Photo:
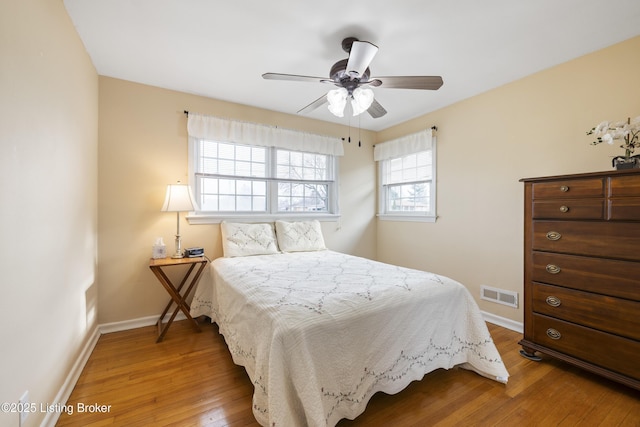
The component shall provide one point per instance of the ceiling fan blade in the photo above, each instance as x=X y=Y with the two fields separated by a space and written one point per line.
x=376 y=110
x=315 y=104
x=292 y=77
x=374 y=83
x=408 y=82
x=360 y=57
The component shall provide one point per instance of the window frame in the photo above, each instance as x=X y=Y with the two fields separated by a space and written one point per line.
x=272 y=181
x=411 y=216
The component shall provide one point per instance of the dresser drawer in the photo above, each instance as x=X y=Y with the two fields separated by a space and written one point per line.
x=624 y=186
x=602 y=239
x=609 y=314
x=592 y=187
x=624 y=209
x=603 y=276
x=624 y=198
x=600 y=348
x=568 y=209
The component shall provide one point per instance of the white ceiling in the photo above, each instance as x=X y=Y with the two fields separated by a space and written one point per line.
x=220 y=49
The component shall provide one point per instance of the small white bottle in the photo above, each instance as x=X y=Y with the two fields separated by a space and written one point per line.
x=159 y=249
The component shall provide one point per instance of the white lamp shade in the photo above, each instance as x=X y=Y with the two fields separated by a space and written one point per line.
x=178 y=199
x=362 y=100
x=337 y=100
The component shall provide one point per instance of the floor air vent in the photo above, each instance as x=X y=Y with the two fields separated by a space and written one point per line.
x=500 y=296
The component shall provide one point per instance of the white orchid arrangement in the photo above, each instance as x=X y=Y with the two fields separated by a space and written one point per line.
x=628 y=131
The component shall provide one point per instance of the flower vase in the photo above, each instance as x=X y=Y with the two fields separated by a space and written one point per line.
x=622 y=162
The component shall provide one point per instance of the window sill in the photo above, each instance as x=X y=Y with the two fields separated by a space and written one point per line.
x=203 y=218
x=407 y=218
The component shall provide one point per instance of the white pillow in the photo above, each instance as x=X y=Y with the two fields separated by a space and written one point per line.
x=240 y=239
x=300 y=236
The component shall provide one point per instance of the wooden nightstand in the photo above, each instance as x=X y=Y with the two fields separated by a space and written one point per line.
x=157 y=265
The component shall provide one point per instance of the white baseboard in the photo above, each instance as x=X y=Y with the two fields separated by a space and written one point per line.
x=51 y=418
x=140 y=322
x=503 y=321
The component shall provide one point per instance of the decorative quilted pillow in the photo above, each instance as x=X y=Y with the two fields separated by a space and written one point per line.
x=300 y=236
x=240 y=239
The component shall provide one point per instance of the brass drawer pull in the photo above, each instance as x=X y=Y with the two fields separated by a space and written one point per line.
x=553 y=334
x=564 y=188
x=564 y=209
x=554 y=235
x=553 y=269
x=553 y=301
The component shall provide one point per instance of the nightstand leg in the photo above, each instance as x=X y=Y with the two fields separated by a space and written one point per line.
x=177 y=291
x=179 y=300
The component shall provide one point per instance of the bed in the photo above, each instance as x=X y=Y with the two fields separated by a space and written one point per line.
x=319 y=332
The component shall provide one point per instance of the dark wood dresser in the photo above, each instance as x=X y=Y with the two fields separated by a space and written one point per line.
x=582 y=271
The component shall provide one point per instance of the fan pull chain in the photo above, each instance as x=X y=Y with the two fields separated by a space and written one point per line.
x=348 y=138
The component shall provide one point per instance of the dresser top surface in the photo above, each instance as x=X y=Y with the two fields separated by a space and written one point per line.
x=584 y=175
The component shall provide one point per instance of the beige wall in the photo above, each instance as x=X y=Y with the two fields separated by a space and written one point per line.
x=532 y=127
x=143 y=147
x=48 y=211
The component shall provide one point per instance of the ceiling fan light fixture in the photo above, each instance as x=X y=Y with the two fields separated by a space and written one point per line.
x=337 y=101
x=348 y=74
x=362 y=100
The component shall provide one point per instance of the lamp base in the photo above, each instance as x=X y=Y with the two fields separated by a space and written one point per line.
x=178 y=253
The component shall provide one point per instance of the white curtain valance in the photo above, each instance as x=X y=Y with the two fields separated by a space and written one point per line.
x=403 y=146
x=218 y=129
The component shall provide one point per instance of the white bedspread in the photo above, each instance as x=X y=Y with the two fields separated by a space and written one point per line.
x=320 y=332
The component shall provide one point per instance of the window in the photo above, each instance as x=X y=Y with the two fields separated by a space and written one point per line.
x=406 y=178
x=303 y=181
x=238 y=180
x=230 y=177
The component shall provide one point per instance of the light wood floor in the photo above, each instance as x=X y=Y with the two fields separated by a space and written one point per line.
x=190 y=380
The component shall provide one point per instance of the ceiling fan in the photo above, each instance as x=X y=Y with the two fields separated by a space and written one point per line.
x=353 y=78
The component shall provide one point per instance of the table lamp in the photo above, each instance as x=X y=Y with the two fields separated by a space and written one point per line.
x=178 y=199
